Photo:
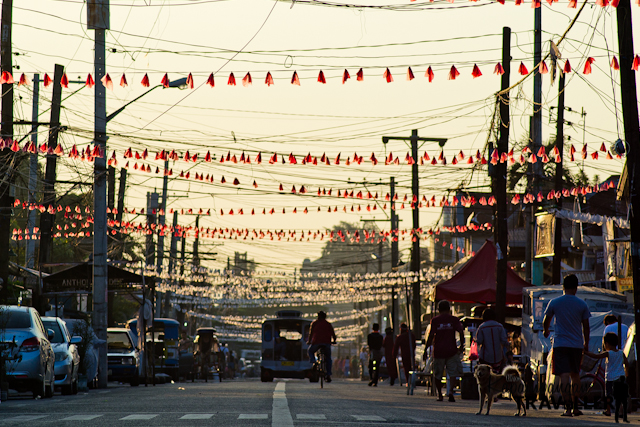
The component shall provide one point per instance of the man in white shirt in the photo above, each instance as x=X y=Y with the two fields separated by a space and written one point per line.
x=611 y=325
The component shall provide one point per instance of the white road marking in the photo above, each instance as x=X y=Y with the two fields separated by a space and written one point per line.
x=280 y=414
x=81 y=418
x=25 y=418
x=253 y=416
x=368 y=418
x=139 y=417
x=197 y=417
x=311 y=417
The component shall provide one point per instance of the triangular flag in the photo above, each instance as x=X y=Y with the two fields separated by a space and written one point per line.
x=567 y=67
x=387 y=75
x=634 y=66
x=210 y=81
x=123 y=81
x=47 y=80
x=429 y=74
x=587 y=65
x=614 y=63
x=165 y=81
x=64 y=81
x=410 y=75
x=542 y=68
x=145 y=81
x=345 y=76
x=23 y=80
x=269 y=79
x=499 y=69
x=321 y=78
x=295 y=80
x=190 y=81
x=476 y=71
x=107 y=82
x=360 y=75
x=453 y=73
x=232 y=80
x=246 y=80
x=522 y=69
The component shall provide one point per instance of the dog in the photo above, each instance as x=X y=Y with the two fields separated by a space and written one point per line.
x=491 y=384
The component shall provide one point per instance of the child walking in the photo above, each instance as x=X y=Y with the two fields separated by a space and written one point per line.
x=615 y=376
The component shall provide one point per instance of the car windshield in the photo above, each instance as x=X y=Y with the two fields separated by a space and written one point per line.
x=53 y=325
x=14 y=319
x=119 y=341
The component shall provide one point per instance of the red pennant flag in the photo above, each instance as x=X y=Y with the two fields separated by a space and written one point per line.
x=269 y=79
x=145 y=81
x=89 y=81
x=190 y=81
x=476 y=71
x=360 y=75
x=337 y=161
x=165 y=81
x=210 y=81
x=567 y=67
x=522 y=69
x=236 y=182
x=255 y=184
x=499 y=69
x=542 y=68
x=123 y=81
x=587 y=65
x=295 y=80
x=232 y=80
x=107 y=82
x=573 y=4
x=7 y=78
x=345 y=76
x=23 y=80
x=222 y=181
x=603 y=148
x=47 y=80
x=259 y=158
x=535 y=4
x=387 y=75
x=321 y=78
x=636 y=63
x=453 y=73
x=246 y=80
x=429 y=74
x=614 y=63
x=64 y=81
x=410 y=75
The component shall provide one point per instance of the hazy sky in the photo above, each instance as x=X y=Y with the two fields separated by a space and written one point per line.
x=179 y=37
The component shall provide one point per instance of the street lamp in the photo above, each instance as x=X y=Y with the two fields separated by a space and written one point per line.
x=180 y=84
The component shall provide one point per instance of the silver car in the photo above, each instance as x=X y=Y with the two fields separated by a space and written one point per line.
x=67 y=358
x=27 y=350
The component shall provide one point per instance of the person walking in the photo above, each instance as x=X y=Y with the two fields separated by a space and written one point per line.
x=570 y=338
x=446 y=353
x=347 y=364
x=387 y=343
x=321 y=334
x=374 y=340
x=406 y=343
x=363 y=362
x=492 y=341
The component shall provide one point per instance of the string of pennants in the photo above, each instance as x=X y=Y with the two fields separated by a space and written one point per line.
x=247 y=80
x=511 y=157
x=466 y=201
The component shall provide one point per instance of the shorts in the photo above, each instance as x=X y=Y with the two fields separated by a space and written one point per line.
x=453 y=365
x=566 y=360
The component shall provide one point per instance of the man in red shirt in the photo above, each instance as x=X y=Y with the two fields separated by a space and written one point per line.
x=442 y=335
x=321 y=333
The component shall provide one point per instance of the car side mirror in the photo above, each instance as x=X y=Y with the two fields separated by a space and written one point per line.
x=50 y=334
x=76 y=340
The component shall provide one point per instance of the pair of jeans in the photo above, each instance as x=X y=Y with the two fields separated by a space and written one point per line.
x=313 y=348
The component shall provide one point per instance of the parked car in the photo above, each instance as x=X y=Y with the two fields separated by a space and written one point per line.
x=67 y=364
x=123 y=357
x=27 y=351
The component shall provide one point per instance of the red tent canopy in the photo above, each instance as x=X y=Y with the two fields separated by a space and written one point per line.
x=476 y=281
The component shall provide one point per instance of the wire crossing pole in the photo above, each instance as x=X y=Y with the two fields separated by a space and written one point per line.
x=98 y=20
x=500 y=182
x=632 y=136
x=557 y=244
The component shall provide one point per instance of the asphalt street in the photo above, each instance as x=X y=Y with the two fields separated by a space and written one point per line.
x=281 y=403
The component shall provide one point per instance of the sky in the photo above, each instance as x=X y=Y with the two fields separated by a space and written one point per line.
x=178 y=37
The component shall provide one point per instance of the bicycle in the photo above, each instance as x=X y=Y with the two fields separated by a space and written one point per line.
x=320 y=366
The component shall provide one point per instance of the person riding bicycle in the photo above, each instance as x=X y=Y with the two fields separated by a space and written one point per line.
x=321 y=334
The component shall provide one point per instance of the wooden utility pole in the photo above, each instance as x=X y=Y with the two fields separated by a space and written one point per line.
x=632 y=137
x=500 y=181
x=557 y=256
x=7 y=157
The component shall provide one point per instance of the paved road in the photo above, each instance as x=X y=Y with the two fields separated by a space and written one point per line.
x=281 y=403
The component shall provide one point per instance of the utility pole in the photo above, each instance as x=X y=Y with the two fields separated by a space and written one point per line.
x=415 y=250
x=152 y=204
x=536 y=264
x=49 y=193
x=500 y=181
x=394 y=255
x=632 y=136
x=30 y=260
x=98 y=20
x=182 y=255
x=161 y=218
x=557 y=244
x=6 y=155
x=196 y=257
x=173 y=248
x=122 y=187
x=111 y=199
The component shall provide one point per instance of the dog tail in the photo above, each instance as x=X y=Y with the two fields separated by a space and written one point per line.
x=511 y=374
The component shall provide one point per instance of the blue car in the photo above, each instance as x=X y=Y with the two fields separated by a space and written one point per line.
x=123 y=357
x=67 y=365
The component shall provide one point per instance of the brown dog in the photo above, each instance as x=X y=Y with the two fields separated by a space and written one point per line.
x=491 y=384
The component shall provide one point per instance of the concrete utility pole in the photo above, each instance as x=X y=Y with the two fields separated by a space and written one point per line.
x=30 y=260
x=500 y=182
x=536 y=267
x=6 y=155
x=161 y=218
x=196 y=242
x=557 y=244
x=173 y=248
x=415 y=249
x=98 y=20
x=632 y=136
x=122 y=187
x=49 y=192
x=394 y=255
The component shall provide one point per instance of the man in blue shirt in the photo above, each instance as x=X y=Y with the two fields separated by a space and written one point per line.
x=571 y=336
